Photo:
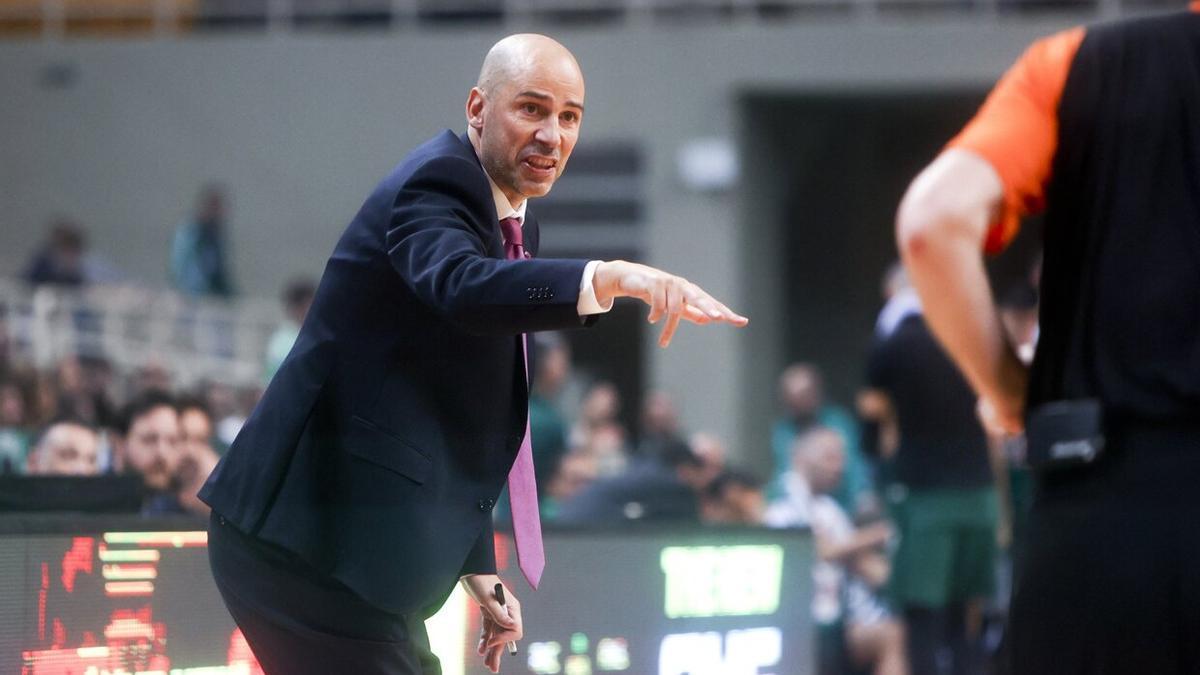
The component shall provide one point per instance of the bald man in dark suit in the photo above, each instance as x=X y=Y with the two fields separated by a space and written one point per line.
x=361 y=488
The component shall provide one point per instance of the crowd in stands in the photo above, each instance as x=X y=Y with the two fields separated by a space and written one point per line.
x=82 y=419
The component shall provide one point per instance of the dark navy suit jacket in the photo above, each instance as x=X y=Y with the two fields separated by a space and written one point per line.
x=378 y=450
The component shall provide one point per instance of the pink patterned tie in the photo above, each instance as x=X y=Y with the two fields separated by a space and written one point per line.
x=522 y=487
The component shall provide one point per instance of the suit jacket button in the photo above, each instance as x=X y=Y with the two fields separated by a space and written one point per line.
x=486 y=504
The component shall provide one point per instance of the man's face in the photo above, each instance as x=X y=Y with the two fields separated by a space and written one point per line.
x=802 y=393
x=196 y=428
x=823 y=461
x=746 y=503
x=67 y=450
x=154 y=447
x=528 y=125
x=212 y=207
x=12 y=406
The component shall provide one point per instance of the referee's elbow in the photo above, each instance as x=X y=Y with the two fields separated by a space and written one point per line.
x=922 y=218
x=951 y=200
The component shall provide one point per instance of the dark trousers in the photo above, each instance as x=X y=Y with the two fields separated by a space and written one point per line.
x=298 y=621
x=1111 y=581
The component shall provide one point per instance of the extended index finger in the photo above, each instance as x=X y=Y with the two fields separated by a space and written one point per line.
x=715 y=309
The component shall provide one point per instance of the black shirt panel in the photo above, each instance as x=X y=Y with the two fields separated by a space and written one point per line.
x=942 y=444
x=1120 y=315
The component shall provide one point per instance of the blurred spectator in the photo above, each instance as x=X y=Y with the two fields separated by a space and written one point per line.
x=660 y=424
x=15 y=436
x=851 y=618
x=546 y=426
x=574 y=473
x=60 y=260
x=149 y=443
x=152 y=376
x=44 y=402
x=99 y=380
x=223 y=404
x=900 y=300
x=802 y=393
x=734 y=498
x=663 y=488
x=942 y=497
x=597 y=431
x=67 y=448
x=199 y=260
x=606 y=445
x=82 y=390
x=199 y=458
x=710 y=451
x=6 y=351
x=297 y=297
x=600 y=405
x=1019 y=313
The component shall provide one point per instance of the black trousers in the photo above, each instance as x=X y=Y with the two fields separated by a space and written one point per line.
x=1111 y=582
x=298 y=621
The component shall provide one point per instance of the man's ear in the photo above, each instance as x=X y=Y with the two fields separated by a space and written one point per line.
x=475 y=105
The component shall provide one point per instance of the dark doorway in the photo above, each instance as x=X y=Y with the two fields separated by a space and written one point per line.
x=824 y=173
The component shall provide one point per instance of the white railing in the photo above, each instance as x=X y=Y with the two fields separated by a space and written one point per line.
x=54 y=19
x=133 y=327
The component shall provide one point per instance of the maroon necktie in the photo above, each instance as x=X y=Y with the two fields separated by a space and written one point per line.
x=522 y=487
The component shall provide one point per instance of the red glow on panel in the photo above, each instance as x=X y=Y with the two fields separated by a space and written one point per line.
x=69 y=661
x=104 y=621
x=42 y=602
x=501 y=553
x=60 y=633
x=78 y=559
x=127 y=626
x=240 y=654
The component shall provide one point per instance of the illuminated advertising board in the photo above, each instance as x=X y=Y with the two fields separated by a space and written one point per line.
x=640 y=602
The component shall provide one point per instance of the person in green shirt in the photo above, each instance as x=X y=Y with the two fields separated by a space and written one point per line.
x=801 y=390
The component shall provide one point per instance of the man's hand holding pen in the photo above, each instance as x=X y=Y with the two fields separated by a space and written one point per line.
x=500 y=613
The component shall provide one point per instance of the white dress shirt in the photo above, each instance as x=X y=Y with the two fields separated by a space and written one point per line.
x=588 y=304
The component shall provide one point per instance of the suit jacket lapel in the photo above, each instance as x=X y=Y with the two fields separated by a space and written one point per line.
x=495 y=243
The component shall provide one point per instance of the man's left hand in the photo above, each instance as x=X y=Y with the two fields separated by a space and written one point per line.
x=500 y=623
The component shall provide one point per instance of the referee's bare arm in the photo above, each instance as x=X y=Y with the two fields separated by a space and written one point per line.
x=940 y=229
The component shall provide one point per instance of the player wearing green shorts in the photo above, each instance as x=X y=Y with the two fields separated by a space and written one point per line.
x=940 y=494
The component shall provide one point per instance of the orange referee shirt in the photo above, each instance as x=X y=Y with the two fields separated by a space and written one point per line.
x=1016 y=129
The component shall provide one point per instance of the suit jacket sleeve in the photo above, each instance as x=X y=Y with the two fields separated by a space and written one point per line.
x=482 y=557
x=436 y=242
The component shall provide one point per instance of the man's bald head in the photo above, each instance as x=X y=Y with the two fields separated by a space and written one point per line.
x=524 y=53
x=524 y=114
x=66 y=448
x=819 y=454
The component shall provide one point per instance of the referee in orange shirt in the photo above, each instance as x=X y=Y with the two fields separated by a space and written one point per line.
x=1100 y=127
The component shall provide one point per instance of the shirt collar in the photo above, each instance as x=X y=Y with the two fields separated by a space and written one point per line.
x=504 y=208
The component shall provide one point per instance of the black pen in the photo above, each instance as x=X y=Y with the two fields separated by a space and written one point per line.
x=512 y=645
